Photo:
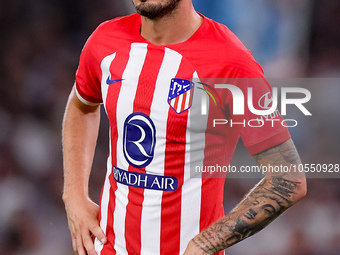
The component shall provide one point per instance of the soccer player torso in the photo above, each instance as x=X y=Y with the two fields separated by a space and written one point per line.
x=148 y=104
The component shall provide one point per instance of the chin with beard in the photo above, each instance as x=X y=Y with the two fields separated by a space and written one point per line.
x=156 y=10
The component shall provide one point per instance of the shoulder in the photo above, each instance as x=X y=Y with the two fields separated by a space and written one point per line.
x=113 y=34
x=118 y=26
x=125 y=22
x=221 y=34
x=229 y=51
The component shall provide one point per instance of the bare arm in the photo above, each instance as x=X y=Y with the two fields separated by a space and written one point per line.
x=265 y=202
x=80 y=132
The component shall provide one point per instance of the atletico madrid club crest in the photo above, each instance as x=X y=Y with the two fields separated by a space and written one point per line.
x=180 y=94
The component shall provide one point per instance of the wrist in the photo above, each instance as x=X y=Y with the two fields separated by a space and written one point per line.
x=74 y=196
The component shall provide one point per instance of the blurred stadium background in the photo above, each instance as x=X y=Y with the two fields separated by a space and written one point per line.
x=40 y=43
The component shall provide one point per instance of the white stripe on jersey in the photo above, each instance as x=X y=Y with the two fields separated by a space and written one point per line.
x=124 y=108
x=105 y=66
x=191 y=189
x=152 y=204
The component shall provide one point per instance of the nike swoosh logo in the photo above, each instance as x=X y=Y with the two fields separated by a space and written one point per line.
x=108 y=81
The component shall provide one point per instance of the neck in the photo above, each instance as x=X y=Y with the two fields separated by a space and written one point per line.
x=176 y=27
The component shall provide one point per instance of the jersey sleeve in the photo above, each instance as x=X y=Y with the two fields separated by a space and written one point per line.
x=88 y=84
x=258 y=132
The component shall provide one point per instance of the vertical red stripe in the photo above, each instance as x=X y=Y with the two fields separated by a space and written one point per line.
x=174 y=166
x=117 y=68
x=142 y=103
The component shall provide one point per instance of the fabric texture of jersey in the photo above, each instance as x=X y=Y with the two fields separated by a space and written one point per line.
x=151 y=203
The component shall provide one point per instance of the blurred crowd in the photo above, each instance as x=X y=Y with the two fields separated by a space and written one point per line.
x=39 y=51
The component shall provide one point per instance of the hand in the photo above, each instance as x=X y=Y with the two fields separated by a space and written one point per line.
x=193 y=249
x=82 y=216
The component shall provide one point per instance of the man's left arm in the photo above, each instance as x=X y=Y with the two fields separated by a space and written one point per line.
x=265 y=202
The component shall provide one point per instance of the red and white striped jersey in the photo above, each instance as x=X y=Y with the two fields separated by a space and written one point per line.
x=151 y=204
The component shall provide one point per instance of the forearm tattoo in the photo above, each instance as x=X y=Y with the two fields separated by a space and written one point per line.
x=262 y=205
